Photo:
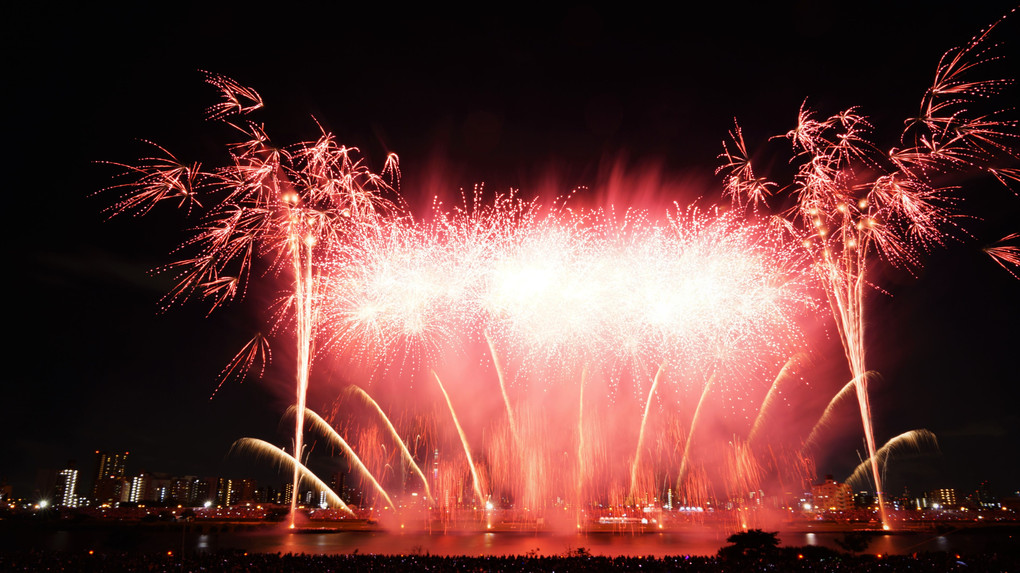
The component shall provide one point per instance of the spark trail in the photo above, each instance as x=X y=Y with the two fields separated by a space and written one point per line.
x=330 y=432
x=354 y=389
x=686 y=458
x=915 y=439
x=280 y=456
x=851 y=201
x=464 y=442
x=272 y=210
x=641 y=434
x=847 y=389
x=558 y=288
x=502 y=388
x=791 y=365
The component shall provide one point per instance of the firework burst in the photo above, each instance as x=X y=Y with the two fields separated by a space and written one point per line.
x=270 y=210
x=850 y=200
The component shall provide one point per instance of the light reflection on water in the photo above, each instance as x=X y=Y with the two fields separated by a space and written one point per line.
x=705 y=542
x=691 y=542
x=477 y=543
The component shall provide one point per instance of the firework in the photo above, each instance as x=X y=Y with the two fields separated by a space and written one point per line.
x=1005 y=254
x=393 y=431
x=565 y=289
x=278 y=207
x=850 y=201
x=659 y=318
x=263 y=448
x=916 y=440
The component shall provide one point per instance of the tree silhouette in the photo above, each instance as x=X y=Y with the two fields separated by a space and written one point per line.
x=854 y=541
x=753 y=543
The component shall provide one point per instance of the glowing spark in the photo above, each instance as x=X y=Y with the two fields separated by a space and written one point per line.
x=257 y=350
x=914 y=439
x=463 y=440
x=403 y=447
x=502 y=388
x=685 y=460
x=1006 y=255
x=841 y=216
x=784 y=373
x=641 y=433
x=327 y=430
x=284 y=207
x=848 y=389
x=281 y=457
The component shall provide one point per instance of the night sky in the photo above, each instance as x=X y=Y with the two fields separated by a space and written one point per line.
x=505 y=97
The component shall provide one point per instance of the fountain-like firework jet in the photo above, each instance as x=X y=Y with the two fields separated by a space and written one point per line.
x=685 y=459
x=502 y=387
x=324 y=428
x=354 y=389
x=287 y=208
x=784 y=372
x=850 y=201
x=553 y=292
x=844 y=284
x=641 y=433
x=847 y=389
x=300 y=248
x=281 y=457
x=463 y=440
x=580 y=443
x=915 y=439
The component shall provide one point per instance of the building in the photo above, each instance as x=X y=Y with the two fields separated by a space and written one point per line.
x=67 y=487
x=245 y=490
x=863 y=499
x=984 y=497
x=206 y=490
x=139 y=486
x=160 y=488
x=110 y=472
x=226 y=494
x=944 y=497
x=832 y=496
x=184 y=490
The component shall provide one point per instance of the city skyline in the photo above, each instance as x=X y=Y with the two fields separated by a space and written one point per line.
x=113 y=486
x=107 y=367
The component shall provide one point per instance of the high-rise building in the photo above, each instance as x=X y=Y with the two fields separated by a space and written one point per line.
x=225 y=492
x=340 y=486
x=182 y=490
x=245 y=491
x=110 y=471
x=67 y=486
x=139 y=486
x=206 y=490
x=159 y=488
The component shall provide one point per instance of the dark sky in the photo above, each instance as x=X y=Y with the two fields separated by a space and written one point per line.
x=503 y=97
